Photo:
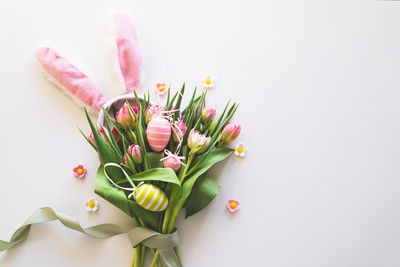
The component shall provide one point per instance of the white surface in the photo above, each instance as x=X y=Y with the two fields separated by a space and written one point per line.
x=318 y=85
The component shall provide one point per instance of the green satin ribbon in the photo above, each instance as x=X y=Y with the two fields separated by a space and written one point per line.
x=152 y=239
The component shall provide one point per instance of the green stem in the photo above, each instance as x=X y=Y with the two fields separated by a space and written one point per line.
x=173 y=198
x=133 y=260
x=155 y=259
x=143 y=255
x=137 y=256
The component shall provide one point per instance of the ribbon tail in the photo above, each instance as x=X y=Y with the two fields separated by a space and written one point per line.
x=169 y=258
x=47 y=214
x=164 y=242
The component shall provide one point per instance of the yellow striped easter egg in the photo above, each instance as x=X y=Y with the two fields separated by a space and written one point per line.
x=151 y=197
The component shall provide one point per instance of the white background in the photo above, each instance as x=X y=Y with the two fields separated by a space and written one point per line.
x=318 y=82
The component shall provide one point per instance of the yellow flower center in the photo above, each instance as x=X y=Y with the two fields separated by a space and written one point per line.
x=92 y=204
x=80 y=171
x=233 y=205
x=161 y=88
x=208 y=81
x=240 y=149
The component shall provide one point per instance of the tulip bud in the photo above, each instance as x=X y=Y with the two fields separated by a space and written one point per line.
x=113 y=131
x=192 y=138
x=198 y=142
x=207 y=114
x=179 y=130
x=151 y=111
x=205 y=142
x=230 y=132
x=125 y=116
x=135 y=151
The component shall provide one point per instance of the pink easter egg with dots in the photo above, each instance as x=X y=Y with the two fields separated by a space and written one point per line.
x=172 y=163
x=158 y=133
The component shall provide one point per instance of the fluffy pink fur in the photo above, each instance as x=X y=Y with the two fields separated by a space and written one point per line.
x=128 y=51
x=70 y=78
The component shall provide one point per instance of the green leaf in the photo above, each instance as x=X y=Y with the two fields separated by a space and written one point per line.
x=118 y=198
x=154 y=159
x=87 y=139
x=166 y=175
x=178 y=101
x=169 y=105
x=203 y=192
x=157 y=174
x=105 y=152
x=205 y=163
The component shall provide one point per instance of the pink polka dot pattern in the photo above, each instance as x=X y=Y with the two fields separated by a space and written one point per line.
x=158 y=133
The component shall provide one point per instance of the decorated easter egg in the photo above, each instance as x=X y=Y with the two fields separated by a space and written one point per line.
x=158 y=133
x=173 y=163
x=151 y=197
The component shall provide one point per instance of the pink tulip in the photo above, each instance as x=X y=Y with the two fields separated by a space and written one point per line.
x=230 y=132
x=135 y=151
x=179 y=130
x=113 y=131
x=126 y=117
x=207 y=114
x=198 y=141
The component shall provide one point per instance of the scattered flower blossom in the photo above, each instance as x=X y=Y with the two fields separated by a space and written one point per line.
x=208 y=81
x=161 y=89
x=233 y=205
x=240 y=150
x=79 y=171
x=230 y=132
x=91 y=205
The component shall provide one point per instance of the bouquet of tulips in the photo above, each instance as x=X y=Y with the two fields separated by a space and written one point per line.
x=154 y=161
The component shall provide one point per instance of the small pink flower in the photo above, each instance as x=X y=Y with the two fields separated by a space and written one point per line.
x=233 y=205
x=161 y=89
x=79 y=171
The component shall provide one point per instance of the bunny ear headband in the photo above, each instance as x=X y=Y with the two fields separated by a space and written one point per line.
x=79 y=86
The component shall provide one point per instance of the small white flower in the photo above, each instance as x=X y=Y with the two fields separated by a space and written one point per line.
x=91 y=205
x=208 y=81
x=240 y=150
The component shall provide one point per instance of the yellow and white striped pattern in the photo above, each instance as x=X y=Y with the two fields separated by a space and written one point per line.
x=151 y=197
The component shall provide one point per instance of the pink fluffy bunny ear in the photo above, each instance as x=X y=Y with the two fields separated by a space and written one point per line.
x=129 y=56
x=70 y=79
